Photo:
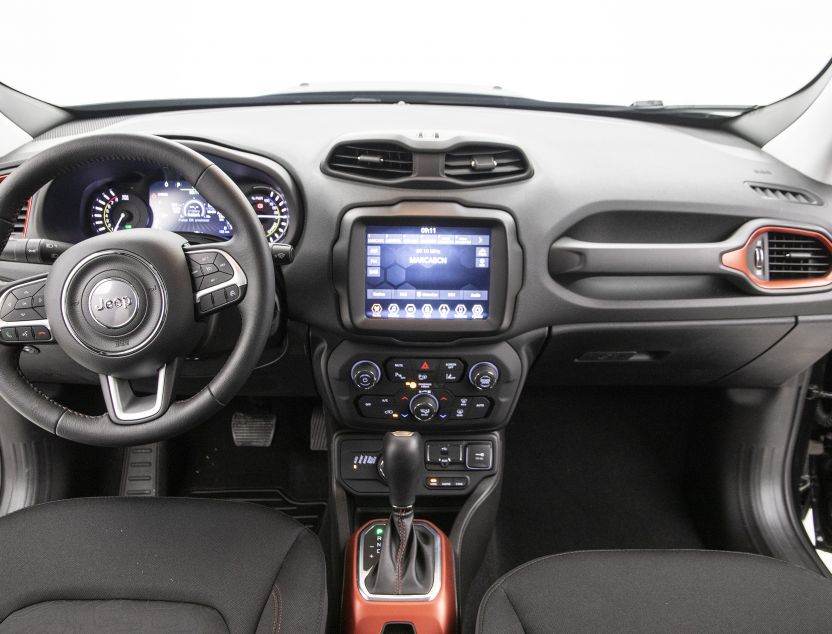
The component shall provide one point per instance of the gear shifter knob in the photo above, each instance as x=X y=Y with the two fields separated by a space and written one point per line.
x=402 y=464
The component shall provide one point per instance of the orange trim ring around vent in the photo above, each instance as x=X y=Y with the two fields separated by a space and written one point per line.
x=738 y=260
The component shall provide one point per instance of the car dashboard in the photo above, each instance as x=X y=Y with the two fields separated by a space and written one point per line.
x=445 y=257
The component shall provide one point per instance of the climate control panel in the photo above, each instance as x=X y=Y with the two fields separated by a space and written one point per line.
x=469 y=388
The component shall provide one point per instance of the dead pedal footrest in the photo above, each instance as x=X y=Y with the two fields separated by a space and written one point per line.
x=140 y=471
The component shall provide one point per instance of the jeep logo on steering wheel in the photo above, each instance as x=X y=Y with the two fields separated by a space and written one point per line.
x=117 y=302
x=112 y=302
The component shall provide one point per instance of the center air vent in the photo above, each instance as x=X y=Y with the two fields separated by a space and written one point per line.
x=427 y=163
x=797 y=257
x=485 y=163
x=371 y=160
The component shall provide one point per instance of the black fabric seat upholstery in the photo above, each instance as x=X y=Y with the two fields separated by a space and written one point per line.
x=657 y=591
x=159 y=565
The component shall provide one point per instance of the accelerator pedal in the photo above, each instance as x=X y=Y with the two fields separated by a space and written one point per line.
x=317 y=429
x=253 y=429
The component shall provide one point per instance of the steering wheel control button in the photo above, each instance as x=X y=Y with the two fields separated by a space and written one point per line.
x=113 y=303
x=41 y=333
x=365 y=375
x=483 y=375
x=222 y=265
x=479 y=455
x=29 y=290
x=219 y=298
x=424 y=407
x=232 y=293
x=8 y=305
x=208 y=270
x=8 y=335
x=206 y=303
x=207 y=257
x=25 y=334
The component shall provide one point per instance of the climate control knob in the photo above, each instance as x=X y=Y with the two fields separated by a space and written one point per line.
x=424 y=407
x=365 y=374
x=483 y=375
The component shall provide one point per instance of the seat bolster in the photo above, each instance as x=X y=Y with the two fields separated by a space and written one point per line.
x=498 y=613
x=657 y=591
x=298 y=598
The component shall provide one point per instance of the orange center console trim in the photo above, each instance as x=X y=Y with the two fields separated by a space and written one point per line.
x=363 y=616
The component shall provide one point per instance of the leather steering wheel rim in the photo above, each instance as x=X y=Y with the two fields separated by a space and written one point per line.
x=248 y=247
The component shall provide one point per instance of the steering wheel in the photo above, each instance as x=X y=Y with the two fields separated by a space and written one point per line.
x=126 y=305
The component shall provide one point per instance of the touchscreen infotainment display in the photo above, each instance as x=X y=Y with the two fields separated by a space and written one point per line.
x=427 y=272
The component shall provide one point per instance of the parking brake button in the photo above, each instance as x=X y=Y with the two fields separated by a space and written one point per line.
x=479 y=456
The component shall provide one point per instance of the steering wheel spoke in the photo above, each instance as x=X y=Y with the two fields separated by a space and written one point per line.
x=23 y=312
x=218 y=279
x=126 y=407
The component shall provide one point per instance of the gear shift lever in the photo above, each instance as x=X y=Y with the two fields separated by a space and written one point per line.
x=406 y=562
x=402 y=464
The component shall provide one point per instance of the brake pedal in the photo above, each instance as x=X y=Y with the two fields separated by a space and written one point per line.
x=253 y=430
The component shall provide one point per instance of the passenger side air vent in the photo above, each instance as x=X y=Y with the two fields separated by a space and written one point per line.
x=789 y=195
x=797 y=257
x=485 y=163
x=784 y=259
x=371 y=160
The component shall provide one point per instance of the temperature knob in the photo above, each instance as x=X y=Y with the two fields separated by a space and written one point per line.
x=424 y=407
x=365 y=374
x=483 y=375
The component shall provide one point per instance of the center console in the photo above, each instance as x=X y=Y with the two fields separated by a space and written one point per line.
x=425 y=274
x=424 y=291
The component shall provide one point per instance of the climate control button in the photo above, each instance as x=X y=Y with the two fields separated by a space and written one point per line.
x=424 y=407
x=483 y=375
x=365 y=375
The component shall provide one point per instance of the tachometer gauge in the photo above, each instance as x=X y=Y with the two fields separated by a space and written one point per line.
x=272 y=209
x=113 y=210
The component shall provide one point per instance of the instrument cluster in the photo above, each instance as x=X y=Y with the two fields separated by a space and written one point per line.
x=175 y=205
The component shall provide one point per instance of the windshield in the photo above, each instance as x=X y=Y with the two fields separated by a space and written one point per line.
x=616 y=53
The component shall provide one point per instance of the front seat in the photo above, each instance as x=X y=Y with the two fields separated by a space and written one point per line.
x=159 y=565
x=657 y=591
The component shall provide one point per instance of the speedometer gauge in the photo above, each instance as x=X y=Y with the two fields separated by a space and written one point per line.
x=272 y=210
x=112 y=210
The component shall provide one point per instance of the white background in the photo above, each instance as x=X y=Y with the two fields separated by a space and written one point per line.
x=616 y=52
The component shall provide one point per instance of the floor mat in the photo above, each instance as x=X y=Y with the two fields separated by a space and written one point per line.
x=592 y=468
x=309 y=514
x=205 y=461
